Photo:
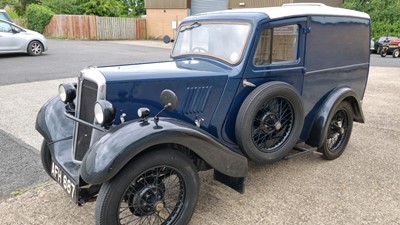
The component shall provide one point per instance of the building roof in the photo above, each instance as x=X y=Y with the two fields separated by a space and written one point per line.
x=299 y=9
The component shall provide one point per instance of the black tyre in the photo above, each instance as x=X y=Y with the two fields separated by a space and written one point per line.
x=160 y=187
x=337 y=132
x=45 y=157
x=269 y=122
x=35 y=48
x=383 y=53
x=395 y=53
x=378 y=51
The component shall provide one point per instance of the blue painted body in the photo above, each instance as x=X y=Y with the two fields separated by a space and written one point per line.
x=332 y=65
x=321 y=67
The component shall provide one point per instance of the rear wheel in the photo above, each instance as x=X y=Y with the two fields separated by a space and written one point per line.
x=396 y=53
x=338 y=132
x=159 y=187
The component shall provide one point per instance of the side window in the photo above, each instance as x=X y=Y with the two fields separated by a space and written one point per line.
x=277 y=45
x=5 y=27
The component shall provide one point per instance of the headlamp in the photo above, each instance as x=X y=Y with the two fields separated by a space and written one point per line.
x=67 y=92
x=104 y=112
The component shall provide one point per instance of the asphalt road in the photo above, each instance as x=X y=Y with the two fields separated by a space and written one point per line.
x=388 y=61
x=20 y=166
x=361 y=187
x=66 y=58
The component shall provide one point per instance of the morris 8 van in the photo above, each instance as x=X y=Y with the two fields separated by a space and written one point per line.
x=260 y=84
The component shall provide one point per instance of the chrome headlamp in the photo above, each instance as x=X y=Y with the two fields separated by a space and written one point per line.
x=67 y=92
x=104 y=112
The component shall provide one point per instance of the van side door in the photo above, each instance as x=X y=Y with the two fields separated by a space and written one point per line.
x=278 y=53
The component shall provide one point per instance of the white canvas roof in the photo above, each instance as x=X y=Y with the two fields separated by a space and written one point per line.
x=301 y=9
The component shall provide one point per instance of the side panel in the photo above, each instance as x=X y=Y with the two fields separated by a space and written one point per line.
x=198 y=97
x=337 y=42
x=116 y=148
x=337 y=55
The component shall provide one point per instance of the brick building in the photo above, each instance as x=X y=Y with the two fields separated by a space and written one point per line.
x=163 y=16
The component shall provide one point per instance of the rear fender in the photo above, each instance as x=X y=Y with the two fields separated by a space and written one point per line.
x=317 y=134
x=116 y=148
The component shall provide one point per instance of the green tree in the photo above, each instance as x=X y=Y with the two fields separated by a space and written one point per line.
x=20 y=7
x=64 y=6
x=384 y=15
x=112 y=8
x=134 y=8
x=3 y=3
x=37 y=17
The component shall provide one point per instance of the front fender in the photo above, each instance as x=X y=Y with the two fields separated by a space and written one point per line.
x=317 y=134
x=116 y=148
x=51 y=122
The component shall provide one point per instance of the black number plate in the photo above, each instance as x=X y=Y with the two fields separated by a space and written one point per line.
x=66 y=183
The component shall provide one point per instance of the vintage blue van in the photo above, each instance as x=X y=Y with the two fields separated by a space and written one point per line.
x=259 y=84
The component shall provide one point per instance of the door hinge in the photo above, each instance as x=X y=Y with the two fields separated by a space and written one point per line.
x=306 y=30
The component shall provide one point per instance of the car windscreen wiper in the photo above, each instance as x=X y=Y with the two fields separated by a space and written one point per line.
x=190 y=27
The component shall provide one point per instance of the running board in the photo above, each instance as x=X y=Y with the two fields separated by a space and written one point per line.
x=302 y=149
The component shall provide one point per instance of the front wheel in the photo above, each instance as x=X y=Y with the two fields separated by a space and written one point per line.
x=338 y=132
x=159 y=187
x=45 y=157
x=378 y=51
x=35 y=48
x=383 y=52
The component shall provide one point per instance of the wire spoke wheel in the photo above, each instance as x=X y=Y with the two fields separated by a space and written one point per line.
x=338 y=132
x=159 y=187
x=273 y=124
x=269 y=122
x=154 y=197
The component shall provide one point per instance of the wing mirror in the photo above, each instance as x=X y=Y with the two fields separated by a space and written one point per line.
x=170 y=102
x=16 y=30
x=167 y=39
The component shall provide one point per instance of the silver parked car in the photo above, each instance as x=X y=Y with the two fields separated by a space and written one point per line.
x=14 y=38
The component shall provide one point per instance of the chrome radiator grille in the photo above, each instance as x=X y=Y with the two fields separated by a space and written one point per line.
x=87 y=97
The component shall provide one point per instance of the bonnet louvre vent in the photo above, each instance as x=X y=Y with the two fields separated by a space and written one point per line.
x=196 y=99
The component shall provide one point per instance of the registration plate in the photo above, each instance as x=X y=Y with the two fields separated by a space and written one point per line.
x=61 y=177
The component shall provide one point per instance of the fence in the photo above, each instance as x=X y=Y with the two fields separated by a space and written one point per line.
x=96 y=28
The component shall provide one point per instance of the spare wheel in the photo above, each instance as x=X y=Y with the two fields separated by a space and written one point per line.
x=269 y=122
